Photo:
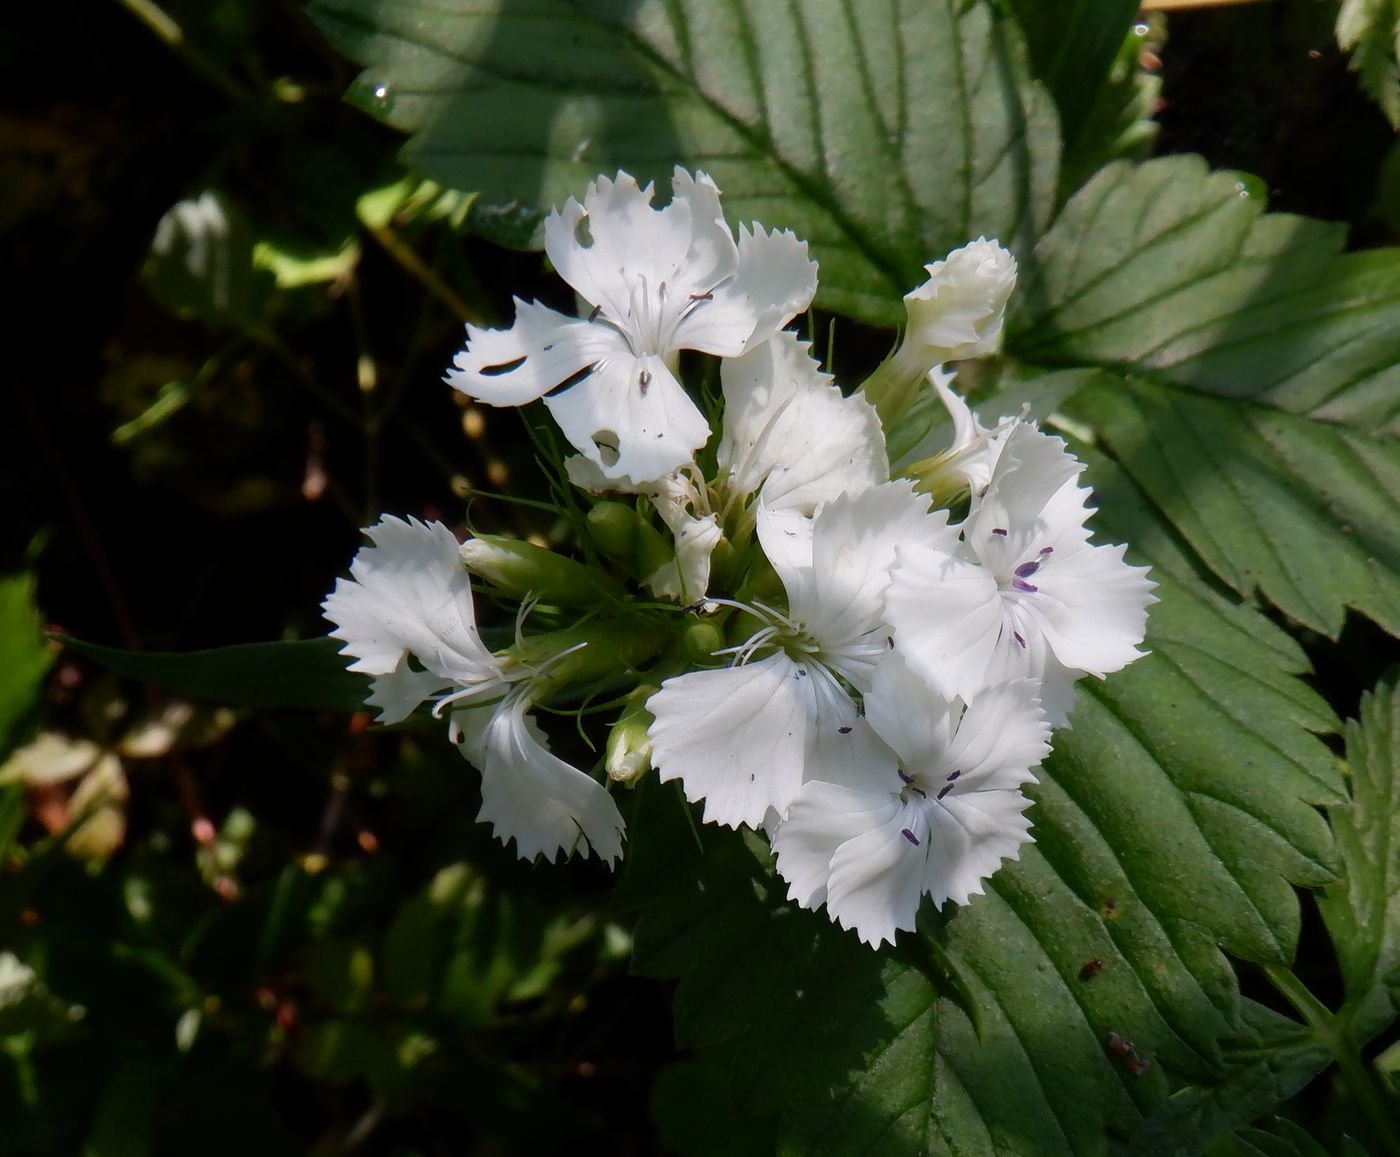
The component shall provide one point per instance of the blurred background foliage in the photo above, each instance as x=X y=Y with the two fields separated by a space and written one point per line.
x=283 y=932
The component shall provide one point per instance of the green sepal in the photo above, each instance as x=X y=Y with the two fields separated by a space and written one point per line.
x=521 y=569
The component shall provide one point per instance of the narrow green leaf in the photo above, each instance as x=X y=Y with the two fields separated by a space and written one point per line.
x=885 y=135
x=1362 y=911
x=24 y=658
x=309 y=674
x=1171 y=822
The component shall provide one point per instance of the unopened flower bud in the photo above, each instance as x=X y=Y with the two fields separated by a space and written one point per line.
x=628 y=755
x=519 y=569
x=701 y=640
x=628 y=539
x=956 y=314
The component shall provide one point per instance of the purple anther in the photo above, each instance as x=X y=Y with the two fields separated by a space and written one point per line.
x=1017 y=636
x=905 y=777
x=1047 y=550
x=910 y=836
x=1001 y=530
x=944 y=790
x=1028 y=568
x=844 y=730
x=1021 y=585
x=954 y=776
x=593 y=315
x=890 y=640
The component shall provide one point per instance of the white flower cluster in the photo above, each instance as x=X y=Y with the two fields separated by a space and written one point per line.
x=808 y=646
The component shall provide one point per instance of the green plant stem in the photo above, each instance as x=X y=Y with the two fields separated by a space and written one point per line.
x=168 y=30
x=417 y=268
x=1360 y=1081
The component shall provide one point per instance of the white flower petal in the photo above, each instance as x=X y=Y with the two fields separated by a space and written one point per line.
x=1033 y=492
x=958 y=312
x=822 y=817
x=409 y=594
x=969 y=837
x=1001 y=736
x=788 y=428
x=628 y=249
x=510 y=367
x=907 y=713
x=775 y=281
x=734 y=737
x=687 y=577
x=877 y=878
x=632 y=419
x=838 y=597
x=534 y=797
x=1091 y=608
x=399 y=694
x=947 y=617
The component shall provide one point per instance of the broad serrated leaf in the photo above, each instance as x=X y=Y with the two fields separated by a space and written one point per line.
x=308 y=674
x=1362 y=911
x=1177 y=273
x=1266 y=1062
x=885 y=135
x=1073 y=46
x=1370 y=31
x=1170 y=824
x=1258 y=376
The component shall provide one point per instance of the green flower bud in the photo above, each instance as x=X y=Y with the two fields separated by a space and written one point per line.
x=628 y=755
x=626 y=537
x=613 y=527
x=701 y=640
x=519 y=569
x=593 y=652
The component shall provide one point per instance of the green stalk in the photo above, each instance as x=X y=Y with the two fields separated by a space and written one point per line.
x=1360 y=1081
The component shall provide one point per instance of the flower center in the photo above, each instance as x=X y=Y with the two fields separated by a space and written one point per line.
x=653 y=317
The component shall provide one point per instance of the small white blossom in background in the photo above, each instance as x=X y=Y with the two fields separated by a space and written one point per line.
x=803 y=644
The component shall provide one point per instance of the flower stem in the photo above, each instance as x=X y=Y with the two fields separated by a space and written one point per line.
x=169 y=32
x=1331 y=1033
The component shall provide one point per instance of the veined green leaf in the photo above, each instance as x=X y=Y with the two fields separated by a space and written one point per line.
x=1073 y=45
x=1170 y=271
x=1257 y=378
x=1058 y=1012
x=1266 y=1062
x=1363 y=911
x=883 y=134
x=308 y=673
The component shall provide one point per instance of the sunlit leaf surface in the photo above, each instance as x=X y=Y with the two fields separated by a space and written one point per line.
x=884 y=134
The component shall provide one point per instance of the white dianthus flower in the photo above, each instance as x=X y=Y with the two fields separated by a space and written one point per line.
x=658 y=281
x=1024 y=593
x=744 y=738
x=405 y=615
x=937 y=823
